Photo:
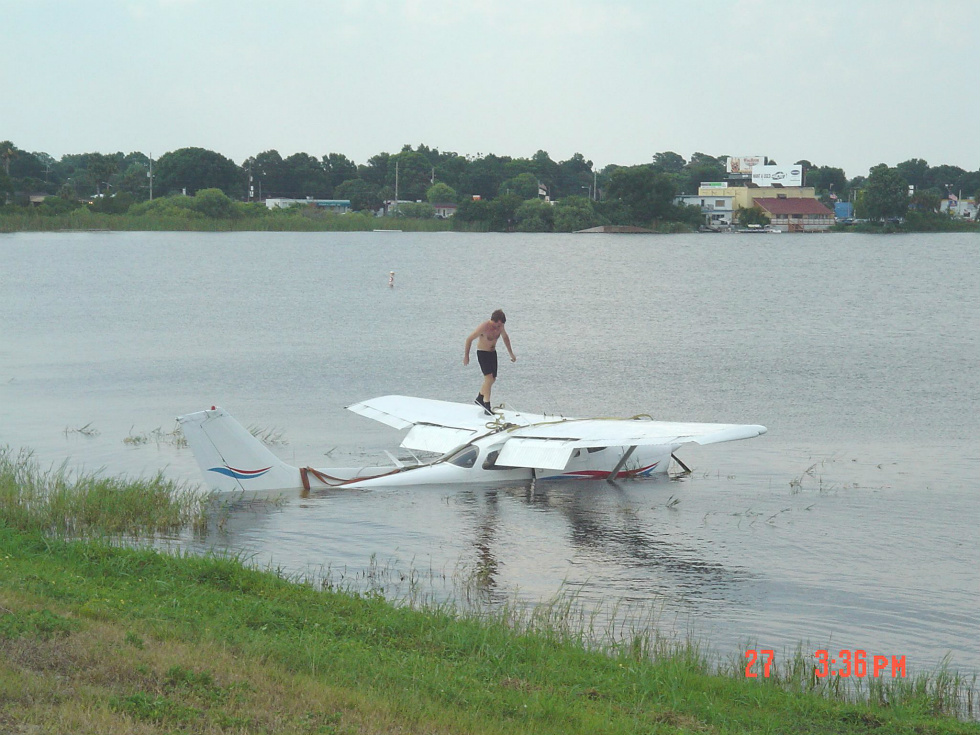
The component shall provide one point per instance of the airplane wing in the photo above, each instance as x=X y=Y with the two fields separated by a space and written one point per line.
x=436 y=426
x=550 y=445
x=402 y=412
x=533 y=440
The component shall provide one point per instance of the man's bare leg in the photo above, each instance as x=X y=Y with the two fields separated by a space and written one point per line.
x=488 y=381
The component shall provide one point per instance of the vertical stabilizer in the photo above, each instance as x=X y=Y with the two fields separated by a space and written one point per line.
x=231 y=459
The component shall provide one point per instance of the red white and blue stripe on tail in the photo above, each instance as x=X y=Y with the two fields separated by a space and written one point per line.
x=240 y=474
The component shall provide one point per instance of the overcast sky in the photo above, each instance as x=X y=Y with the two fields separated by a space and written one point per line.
x=842 y=83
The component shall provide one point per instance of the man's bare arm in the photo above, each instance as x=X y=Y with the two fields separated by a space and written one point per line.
x=503 y=333
x=469 y=341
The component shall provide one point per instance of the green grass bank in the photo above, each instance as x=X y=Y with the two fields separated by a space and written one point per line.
x=87 y=221
x=101 y=636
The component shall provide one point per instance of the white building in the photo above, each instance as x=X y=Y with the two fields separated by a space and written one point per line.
x=339 y=206
x=444 y=210
x=717 y=209
x=966 y=208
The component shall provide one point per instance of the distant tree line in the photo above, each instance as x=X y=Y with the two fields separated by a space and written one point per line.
x=495 y=192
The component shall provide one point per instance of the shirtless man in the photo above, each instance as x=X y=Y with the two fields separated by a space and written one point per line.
x=486 y=352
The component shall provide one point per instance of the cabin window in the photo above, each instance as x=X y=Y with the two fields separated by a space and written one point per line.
x=465 y=457
x=490 y=463
x=591 y=450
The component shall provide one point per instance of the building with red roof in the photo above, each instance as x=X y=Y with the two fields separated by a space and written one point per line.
x=796 y=215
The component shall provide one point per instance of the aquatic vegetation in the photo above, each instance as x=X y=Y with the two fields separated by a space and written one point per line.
x=87 y=430
x=71 y=504
x=174 y=437
x=270 y=437
x=157 y=642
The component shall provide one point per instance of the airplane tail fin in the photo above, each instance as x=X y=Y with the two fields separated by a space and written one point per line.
x=231 y=459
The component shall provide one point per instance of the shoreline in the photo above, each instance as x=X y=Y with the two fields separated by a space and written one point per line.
x=410 y=225
x=153 y=641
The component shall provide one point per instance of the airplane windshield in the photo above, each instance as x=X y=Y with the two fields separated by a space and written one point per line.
x=465 y=457
x=490 y=463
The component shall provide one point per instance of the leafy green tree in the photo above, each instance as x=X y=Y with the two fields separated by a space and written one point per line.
x=268 y=174
x=700 y=168
x=503 y=212
x=511 y=168
x=214 y=203
x=197 y=168
x=6 y=187
x=8 y=153
x=375 y=171
x=547 y=171
x=90 y=173
x=303 y=176
x=483 y=177
x=440 y=193
x=362 y=195
x=646 y=193
x=134 y=180
x=915 y=171
x=338 y=168
x=450 y=169
x=473 y=210
x=414 y=174
x=945 y=176
x=968 y=182
x=689 y=214
x=534 y=215
x=27 y=165
x=57 y=205
x=416 y=210
x=575 y=177
x=668 y=162
x=115 y=204
x=103 y=168
x=173 y=206
x=574 y=213
x=926 y=200
x=826 y=179
x=752 y=216
x=523 y=185
x=886 y=194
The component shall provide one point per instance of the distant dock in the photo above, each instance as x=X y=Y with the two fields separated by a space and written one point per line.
x=616 y=230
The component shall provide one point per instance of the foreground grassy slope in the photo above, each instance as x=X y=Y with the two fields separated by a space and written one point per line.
x=97 y=638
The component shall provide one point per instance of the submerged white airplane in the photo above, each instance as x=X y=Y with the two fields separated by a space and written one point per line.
x=510 y=446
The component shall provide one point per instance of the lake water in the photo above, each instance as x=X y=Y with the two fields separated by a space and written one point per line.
x=853 y=524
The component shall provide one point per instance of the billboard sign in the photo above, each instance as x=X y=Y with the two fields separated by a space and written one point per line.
x=782 y=175
x=743 y=164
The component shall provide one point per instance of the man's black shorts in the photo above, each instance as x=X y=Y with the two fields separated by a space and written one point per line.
x=488 y=361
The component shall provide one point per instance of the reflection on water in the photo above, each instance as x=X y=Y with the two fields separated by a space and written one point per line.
x=851 y=524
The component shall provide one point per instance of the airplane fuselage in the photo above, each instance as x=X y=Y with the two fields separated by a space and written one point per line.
x=470 y=447
x=477 y=462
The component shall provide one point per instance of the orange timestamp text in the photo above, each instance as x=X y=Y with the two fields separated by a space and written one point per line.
x=845 y=664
